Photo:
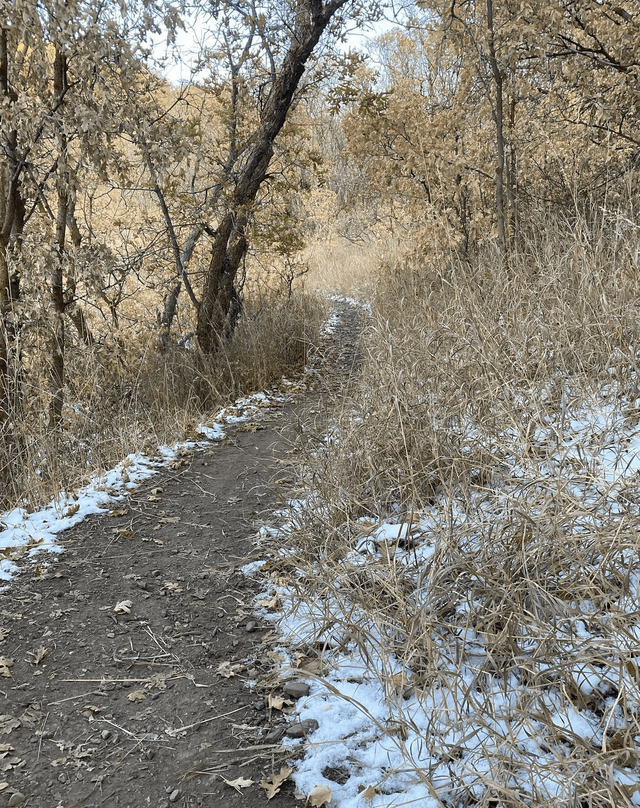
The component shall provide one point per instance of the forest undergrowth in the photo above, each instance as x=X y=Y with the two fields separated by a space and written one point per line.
x=466 y=537
x=125 y=396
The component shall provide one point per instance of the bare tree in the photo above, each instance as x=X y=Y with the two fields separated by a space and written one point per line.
x=249 y=158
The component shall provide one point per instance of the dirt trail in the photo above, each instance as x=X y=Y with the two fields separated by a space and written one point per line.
x=132 y=649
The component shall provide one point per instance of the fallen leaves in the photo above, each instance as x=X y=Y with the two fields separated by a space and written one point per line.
x=239 y=783
x=8 y=761
x=251 y=427
x=38 y=655
x=278 y=702
x=273 y=785
x=5 y=664
x=270 y=603
x=319 y=796
x=32 y=716
x=228 y=669
x=8 y=723
x=137 y=695
x=123 y=607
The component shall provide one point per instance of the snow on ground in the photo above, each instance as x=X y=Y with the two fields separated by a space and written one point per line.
x=27 y=533
x=398 y=739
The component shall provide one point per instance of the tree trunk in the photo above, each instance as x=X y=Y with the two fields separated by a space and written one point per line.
x=11 y=226
x=498 y=114
x=219 y=307
x=57 y=342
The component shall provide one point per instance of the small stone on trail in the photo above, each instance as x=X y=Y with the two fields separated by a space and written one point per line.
x=275 y=735
x=251 y=626
x=105 y=734
x=302 y=728
x=16 y=799
x=175 y=795
x=296 y=690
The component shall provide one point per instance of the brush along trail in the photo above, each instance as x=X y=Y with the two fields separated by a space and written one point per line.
x=129 y=662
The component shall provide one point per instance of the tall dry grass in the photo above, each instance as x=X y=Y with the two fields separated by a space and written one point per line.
x=341 y=267
x=123 y=396
x=491 y=422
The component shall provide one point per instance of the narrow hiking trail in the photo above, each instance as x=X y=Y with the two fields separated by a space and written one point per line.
x=128 y=662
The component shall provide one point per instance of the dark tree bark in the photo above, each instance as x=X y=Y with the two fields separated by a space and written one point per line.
x=57 y=344
x=12 y=214
x=219 y=305
x=498 y=115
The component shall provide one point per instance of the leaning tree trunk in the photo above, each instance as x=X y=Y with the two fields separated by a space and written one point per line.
x=219 y=306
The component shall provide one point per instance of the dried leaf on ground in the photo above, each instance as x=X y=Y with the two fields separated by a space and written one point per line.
x=5 y=664
x=272 y=786
x=276 y=702
x=137 y=695
x=32 y=716
x=270 y=603
x=369 y=793
x=158 y=680
x=9 y=762
x=123 y=607
x=320 y=795
x=38 y=655
x=239 y=783
x=8 y=723
x=227 y=669
x=179 y=732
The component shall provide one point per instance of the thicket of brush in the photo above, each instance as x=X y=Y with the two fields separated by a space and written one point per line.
x=489 y=398
x=122 y=395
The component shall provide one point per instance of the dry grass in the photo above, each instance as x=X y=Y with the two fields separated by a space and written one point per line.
x=341 y=267
x=491 y=423
x=124 y=397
